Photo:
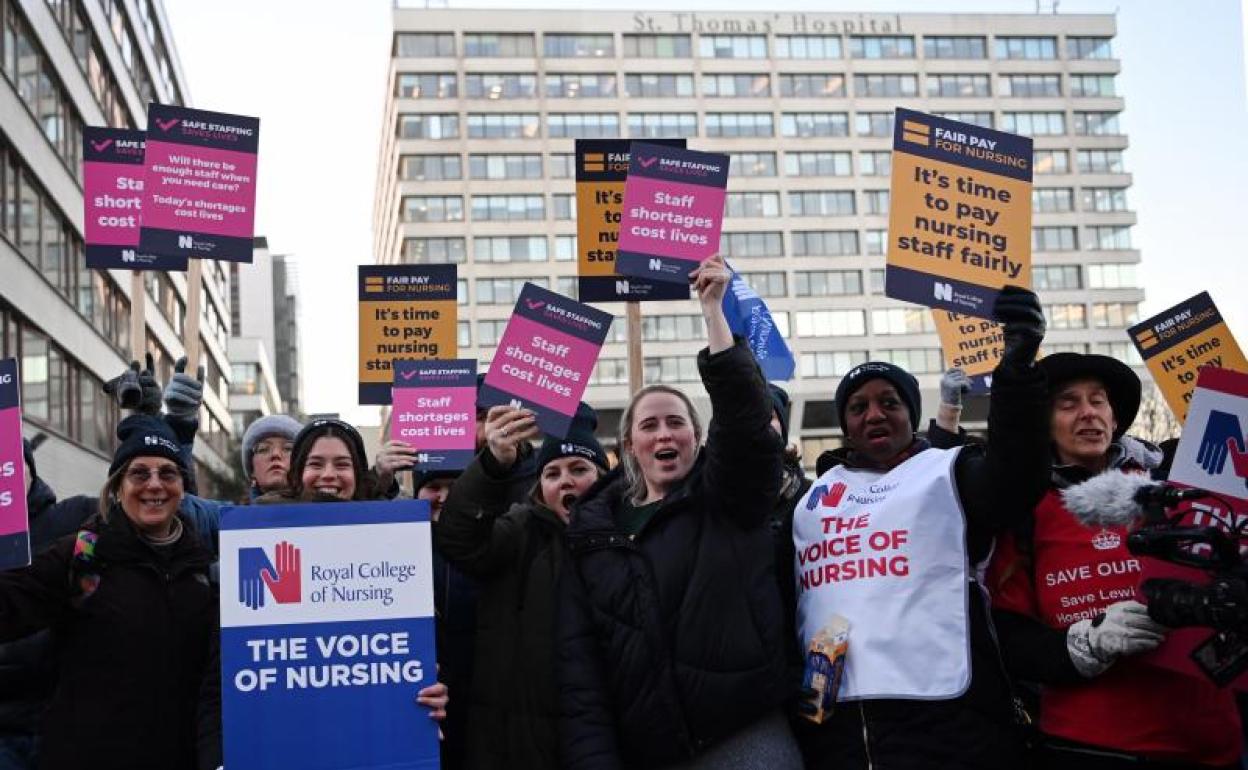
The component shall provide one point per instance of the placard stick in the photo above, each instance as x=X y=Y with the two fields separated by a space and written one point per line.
x=138 y=316
x=635 y=363
x=194 y=294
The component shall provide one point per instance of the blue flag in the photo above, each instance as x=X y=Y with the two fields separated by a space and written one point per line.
x=749 y=317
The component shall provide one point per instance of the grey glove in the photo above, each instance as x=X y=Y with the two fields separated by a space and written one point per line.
x=136 y=389
x=184 y=394
x=1123 y=629
x=953 y=385
x=1019 y=311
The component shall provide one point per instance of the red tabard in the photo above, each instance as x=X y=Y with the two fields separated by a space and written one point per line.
x=1134 y=708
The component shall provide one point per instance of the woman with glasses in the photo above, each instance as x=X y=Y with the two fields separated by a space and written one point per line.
x=134 y=615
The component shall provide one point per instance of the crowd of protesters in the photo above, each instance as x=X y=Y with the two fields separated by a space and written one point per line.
x=657 y=612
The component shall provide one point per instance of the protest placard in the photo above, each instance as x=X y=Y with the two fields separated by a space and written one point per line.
x=406 y=312
x=112 y=200
x=673 y=211
x=14 y=525
x=327 y=636
x=199 y=184
x=1177 y=342
x=959 y=224
x=545 y=357
x=435 y=409
x=971 y=344
x=601 y=169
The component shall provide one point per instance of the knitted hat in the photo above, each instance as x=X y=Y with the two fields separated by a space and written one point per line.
x=905 y=383
x=143 y=435
x=580 y=441
x=424 y=478
x=1122 y=385
x=266 y=427
x=780 y=405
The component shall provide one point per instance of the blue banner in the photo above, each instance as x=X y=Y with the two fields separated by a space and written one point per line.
x=749 y=317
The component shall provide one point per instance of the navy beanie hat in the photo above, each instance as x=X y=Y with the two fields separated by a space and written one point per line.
x=905 y=383
x=143 y=435
x=780 y=405
x=580 y=441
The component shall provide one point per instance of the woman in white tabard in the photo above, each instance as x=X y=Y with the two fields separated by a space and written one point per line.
x=891 y=540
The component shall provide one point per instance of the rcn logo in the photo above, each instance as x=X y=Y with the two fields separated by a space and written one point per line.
x=256 y=573
x=942 y=291
x=186 y=242
x=127 y=255
x=1223 y=438
x=829 y=497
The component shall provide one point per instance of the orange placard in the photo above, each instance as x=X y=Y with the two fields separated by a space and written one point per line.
x=407 y=312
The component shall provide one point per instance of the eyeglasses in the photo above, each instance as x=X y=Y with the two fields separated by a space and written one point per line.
x=264 y=450
x=167 y=475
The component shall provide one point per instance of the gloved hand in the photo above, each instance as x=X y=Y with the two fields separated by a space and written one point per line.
x=136 y=389
x=1123 y=629
x=953 y=385
x=184 y=394
x=1019 y=311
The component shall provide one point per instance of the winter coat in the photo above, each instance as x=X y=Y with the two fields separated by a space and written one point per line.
x=68 y=516
x=997 y=484
x=673 y=639
x=455 y=610
x=793 y=487
x=132 y=649
x=515 y=553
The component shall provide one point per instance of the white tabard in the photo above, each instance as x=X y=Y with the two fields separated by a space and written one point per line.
x=887 y=551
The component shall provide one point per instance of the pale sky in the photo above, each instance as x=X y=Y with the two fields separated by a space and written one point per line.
x=314 y=72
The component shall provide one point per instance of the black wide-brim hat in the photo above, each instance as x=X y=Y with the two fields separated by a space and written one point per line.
x=1121 y=383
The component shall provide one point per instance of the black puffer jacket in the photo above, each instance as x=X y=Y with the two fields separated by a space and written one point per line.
x=515 y=552
x=132 y=654
x=673 y=640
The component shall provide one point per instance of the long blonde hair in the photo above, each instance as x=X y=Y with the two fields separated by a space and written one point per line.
x=636 y=491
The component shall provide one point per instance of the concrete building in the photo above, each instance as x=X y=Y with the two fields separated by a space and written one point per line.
x=476 y=168
x=63 y=66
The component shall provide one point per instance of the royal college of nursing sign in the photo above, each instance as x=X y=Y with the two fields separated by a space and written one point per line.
x=762 y=23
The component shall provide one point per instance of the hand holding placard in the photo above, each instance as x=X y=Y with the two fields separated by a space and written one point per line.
x=710 y=280
x=505 y=429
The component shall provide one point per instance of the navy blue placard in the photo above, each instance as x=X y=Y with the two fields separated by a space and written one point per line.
x=204 y=128
x=939 y=291
x=984 y=149
x=407 y=282
x=563 y=313
x=621 y=288
x=10 y=384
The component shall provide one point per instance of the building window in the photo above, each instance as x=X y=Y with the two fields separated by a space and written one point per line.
x=1068 y=316
x=658 y=125
x=463 y=333
x=822 y=203
x=1065 y=347
x=411 y=85
x=433 y=208
x=508 y=45
x=576 y=85
x=1092 y=85
x=1051 y=162
x=826 y=283
x=672 y=328
x=489 y=332
x=499 y=85
x=461 y=291
x=875 y=202
x=1055 y=277
x=981 y=119
x=732 y=46
x=1112 y=275
x=584 y=125
x=769 y=284
x=428 y=126
x=424 y=45
x=574 y=46
x=562 y=165
x=657 y=47
x=942 y=47
x=830 y=323
x=738 y=86
x=958 y=86
x=1123 y=351
x=1104 y=199
x=1088 y=48
x=1111 y=315
x=831 y=363
x=902 y=320
x=752 y=164
x=824 y=243
x=1096 y=124
x=671 y=369
x=504 y=291
x=1029 y=86
x=1112 y=238
x=764 y=244
x=433 y=251
x=812 y=164
x=881 y=47
x=39 y=86
x=873 y=123
x=877 y=245
x=508 y=208
x=1026 y=48
x=430 y=168
x=915 y=360
x=752 y=204
x=503 y=126
x=562 y=207
x=658 y=86
x=873 y=86
x=876 y=163
x=1034 y=123
x=731 y=124
x=513 y=248
x=565 y=248
x=806 y=86
x=808 y=47
x=1100 y=161
x=810 y=124
x=509 y=166
x=610 y=371
x=1053 y=239
x=876 y=280
x=1052 y=200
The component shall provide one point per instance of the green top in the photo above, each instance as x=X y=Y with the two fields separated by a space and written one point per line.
x=632 y=518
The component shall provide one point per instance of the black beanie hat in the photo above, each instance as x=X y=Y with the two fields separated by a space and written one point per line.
x=422 y=478
x=580 y=441
x=780 y=405
x=143 y=435
x=905 y=383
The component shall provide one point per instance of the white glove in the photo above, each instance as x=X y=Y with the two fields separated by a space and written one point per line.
x=1123 y=629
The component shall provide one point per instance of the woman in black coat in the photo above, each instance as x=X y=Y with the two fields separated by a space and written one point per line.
x=671 y=648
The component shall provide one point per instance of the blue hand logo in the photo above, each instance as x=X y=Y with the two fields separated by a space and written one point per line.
x=252 y=564
x=1213 y=447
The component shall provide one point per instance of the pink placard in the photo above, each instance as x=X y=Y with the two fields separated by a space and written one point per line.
x=201 y=188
